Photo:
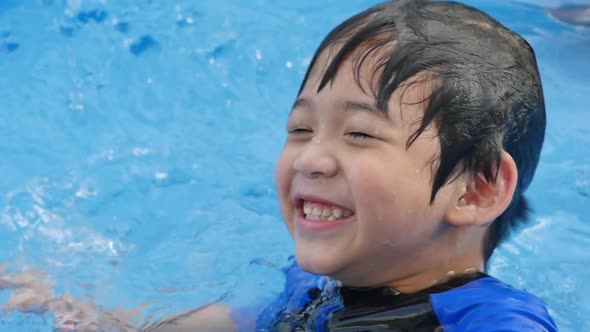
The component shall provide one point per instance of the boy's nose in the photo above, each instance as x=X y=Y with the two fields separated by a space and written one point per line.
x=315 y=160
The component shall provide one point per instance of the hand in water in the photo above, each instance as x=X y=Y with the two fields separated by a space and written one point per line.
x=31 y=292
x=72 y=315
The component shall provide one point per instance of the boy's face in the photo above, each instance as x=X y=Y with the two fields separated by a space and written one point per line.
x=346 y=161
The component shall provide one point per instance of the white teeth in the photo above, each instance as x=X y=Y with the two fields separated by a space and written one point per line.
x=326 y=214
x=337 y=212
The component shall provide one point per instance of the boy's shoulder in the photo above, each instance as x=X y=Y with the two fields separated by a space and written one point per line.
x=488 y=304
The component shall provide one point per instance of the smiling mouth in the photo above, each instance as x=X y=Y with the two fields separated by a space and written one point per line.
x=317 y=211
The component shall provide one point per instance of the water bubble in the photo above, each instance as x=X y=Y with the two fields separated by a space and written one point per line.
x=161 y=176
x=184 y=21
x=76 y=101
x=112 y=248
x=137 y=151
x=86 y=191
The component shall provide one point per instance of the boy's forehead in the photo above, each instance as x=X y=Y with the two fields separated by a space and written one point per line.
x=362 y=64
x=362 y=80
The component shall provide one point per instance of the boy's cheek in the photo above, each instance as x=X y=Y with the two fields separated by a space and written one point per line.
x=283 y=186
x=282 y=170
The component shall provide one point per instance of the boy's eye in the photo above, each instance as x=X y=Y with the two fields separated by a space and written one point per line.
x=359 y=135
x=299 y=131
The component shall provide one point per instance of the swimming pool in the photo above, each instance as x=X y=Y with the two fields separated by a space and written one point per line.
x=139 y=139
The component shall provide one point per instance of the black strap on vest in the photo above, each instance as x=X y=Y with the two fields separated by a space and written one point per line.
x=384 y=309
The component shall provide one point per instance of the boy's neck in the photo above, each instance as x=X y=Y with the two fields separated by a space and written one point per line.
x=437 y=275
x=455 y=253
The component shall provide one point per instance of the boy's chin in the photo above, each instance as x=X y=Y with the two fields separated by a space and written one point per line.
x=318 y=262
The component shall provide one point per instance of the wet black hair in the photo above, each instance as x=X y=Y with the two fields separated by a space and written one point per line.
x=486 y=90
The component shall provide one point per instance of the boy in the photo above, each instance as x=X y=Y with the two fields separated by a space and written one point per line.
x=415 y=133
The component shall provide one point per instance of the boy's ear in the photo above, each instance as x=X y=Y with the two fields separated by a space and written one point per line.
x=478 y=201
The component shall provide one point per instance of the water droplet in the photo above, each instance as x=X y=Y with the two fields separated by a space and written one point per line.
x=137 y=151
x=161 y=175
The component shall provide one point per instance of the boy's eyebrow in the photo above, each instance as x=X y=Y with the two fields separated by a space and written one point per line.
x=363 y=107
x=300 y=102
x=349 y=106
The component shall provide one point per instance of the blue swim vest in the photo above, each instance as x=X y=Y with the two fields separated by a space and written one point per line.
x=475 y=303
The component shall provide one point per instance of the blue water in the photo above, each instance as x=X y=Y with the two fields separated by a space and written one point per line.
x=138 y=140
